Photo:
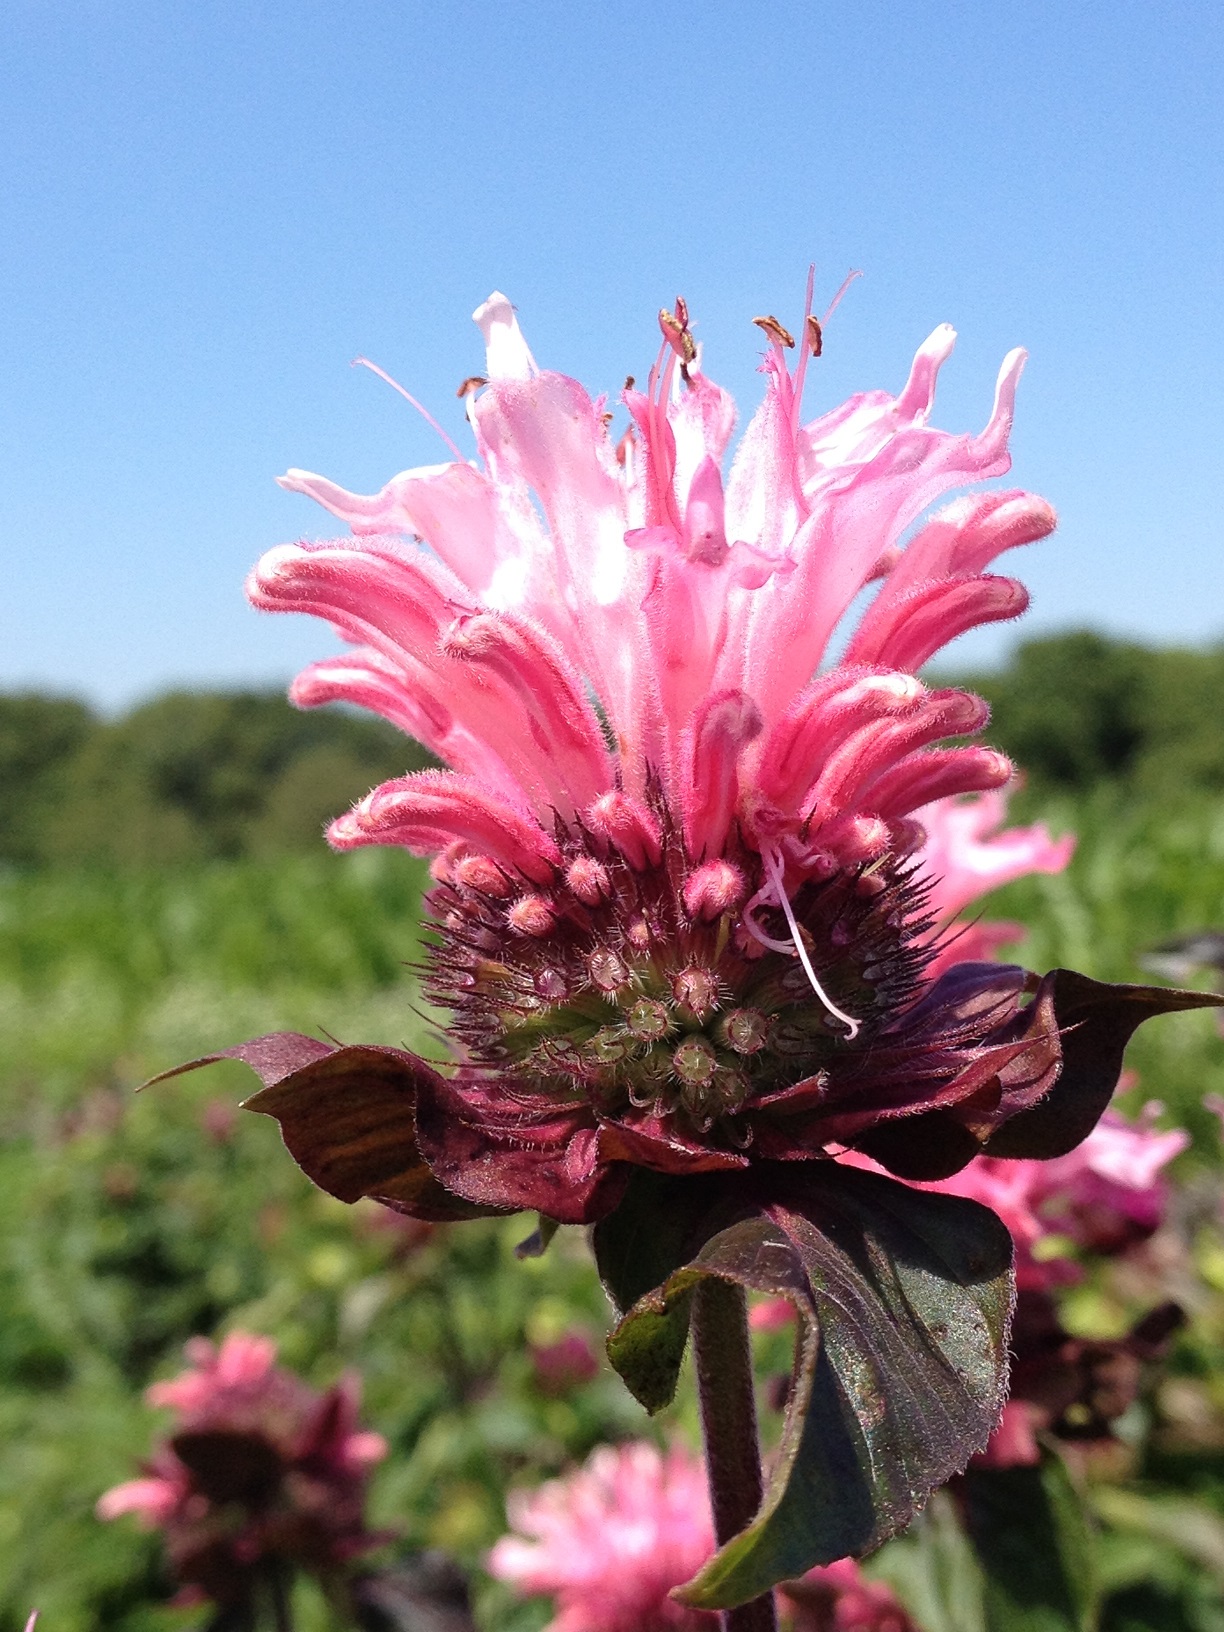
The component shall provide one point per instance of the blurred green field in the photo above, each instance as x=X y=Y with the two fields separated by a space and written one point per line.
x=129 y=1223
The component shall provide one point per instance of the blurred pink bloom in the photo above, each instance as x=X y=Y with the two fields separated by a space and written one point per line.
x=840 y=1598
x=1108 y=1192
x=259 y=1467
x=964 y=861
x=609 y=1541
x=561 y=1366
x=658 y=811
x=1014 y=1442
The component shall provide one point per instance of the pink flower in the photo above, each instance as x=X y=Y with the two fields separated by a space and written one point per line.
x=1014 y=1442
x=1102 y=1197
x=964 y=861
x=677 y=914
x=840 y=1598
x=259 y=1469
x=611 y=1540
x=564 y=1365
x=1108 y=1192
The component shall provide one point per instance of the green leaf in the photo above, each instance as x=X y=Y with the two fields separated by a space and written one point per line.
x=1096 y=1021
x=903 y=1298
x=934 y=1571
x=1034 y=1541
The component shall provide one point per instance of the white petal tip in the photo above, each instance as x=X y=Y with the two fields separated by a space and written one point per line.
x=507 y=356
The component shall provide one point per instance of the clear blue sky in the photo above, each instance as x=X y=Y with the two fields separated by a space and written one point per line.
x=207 y=209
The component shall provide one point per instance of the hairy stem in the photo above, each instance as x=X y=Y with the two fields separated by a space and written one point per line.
x=728 y=1421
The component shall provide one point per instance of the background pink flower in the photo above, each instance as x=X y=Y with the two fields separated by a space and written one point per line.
x=609 y=1541
x=967 y=853
x=260 y=1469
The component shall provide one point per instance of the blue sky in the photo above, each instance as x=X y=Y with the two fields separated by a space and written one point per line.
x=207 y=211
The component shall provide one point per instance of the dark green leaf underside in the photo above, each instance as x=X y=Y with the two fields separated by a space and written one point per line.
x=903 y=1298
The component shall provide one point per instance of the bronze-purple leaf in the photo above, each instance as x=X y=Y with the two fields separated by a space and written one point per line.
x=348 y=1118
x=1096 y=1021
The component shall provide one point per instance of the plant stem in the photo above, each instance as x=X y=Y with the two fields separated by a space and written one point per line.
x=279 y=1586
x=723 y=1361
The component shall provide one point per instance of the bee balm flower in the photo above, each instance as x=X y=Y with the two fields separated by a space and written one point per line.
x=260 y=1472
x=681 y=925
x=676 y=913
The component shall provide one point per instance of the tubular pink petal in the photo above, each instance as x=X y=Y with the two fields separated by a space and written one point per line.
x=481 y=873
x=627 y=825
x=589 y=880
x=453 y=508
x=908 y=632
x=402 y=603
x=702 y=421
x=918 y=394
x=383 y=585
x=414 y=810
x=533 y=665
x=922 y=778
x=966 y=536
x=543 y=436
x=851 y=771
x=725 y=723
x=532 y=915
x=412 y=699
x=857 y=515
x=823 y=718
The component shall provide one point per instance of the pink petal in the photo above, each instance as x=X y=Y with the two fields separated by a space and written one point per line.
x=427 y=811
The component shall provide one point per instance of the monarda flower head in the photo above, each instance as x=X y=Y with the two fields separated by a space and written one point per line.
x=680 y=930
x=261 y=1475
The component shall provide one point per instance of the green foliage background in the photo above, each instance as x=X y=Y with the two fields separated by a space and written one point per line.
x=163 y=892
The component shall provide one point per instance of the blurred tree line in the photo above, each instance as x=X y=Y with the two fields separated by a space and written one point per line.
x=195 y=776
x=190 y=776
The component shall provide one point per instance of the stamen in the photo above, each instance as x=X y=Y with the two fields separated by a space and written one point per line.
x=676 y=331
x=364 y=362
x=779 y=335
x=795 y=946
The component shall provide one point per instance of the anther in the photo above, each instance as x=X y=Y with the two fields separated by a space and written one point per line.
x=675 y=331
x=815 y=335
x=472 y=383
x=779 y=335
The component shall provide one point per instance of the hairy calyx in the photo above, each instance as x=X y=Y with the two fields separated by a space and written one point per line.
x=648 y=986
